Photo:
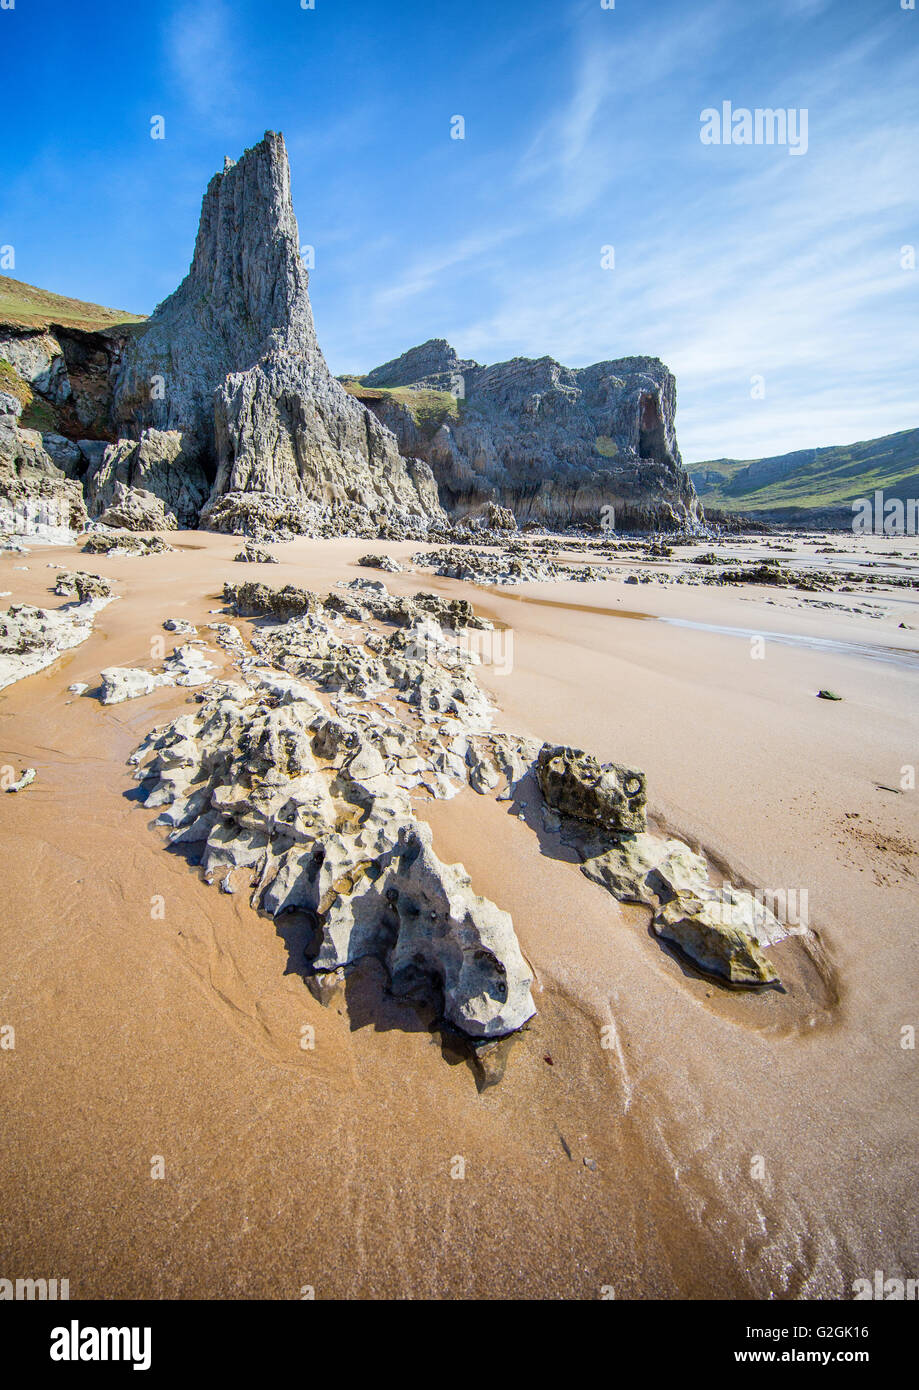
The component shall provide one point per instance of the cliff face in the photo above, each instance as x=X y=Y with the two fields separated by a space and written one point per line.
x=230 y=361
x=220 y=410
x=55 y=395
x=554 y=443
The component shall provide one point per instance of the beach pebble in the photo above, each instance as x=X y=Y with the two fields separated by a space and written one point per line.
x=26 y=779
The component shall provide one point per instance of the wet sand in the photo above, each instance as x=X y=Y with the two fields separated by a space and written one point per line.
x=179 y=1035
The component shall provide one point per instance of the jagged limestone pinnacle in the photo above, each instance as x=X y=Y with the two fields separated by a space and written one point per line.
x=231 y=361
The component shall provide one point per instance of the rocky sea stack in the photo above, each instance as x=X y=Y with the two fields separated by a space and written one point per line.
x=554 y=444
x=240 y=374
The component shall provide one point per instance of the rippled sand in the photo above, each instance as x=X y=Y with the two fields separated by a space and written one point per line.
x=629 y=1164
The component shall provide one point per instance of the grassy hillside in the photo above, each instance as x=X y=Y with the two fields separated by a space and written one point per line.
x=25 y=306
x=811 y=480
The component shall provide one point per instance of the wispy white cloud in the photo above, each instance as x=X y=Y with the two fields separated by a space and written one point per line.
x=730 y=262
x=585 y=142
x=762 y=264
x=805 y=9
x=422 y=274
x=202 y=54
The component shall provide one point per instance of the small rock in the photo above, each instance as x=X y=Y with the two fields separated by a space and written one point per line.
x=82 y=585
x=490 y=1061
x=381 y=562
x=26 y=779
x=120 y=683
x=718 y=948
x=326 y=985
x=256 y=555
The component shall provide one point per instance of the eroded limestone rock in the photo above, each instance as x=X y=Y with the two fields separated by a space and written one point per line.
x=252 y=600
x=36 y=497
x=33 y=638
x=82 y=585
x=269 y=782
x=152 y=483
x=721 y=928
x=120 y=683
x=505 y=567
x=381 y=562
x=187 y=666
x=124 y=543
x=575 y=784
x=495 y=518
x=556 y=444
x=252 y=554
x=718 y=946
x=246 y=383
x=133 y=509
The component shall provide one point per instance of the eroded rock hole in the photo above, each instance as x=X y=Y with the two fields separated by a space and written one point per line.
x=652 y=440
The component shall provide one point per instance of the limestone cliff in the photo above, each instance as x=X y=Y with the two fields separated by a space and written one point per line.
x=57 y=357
x=556 y=444
x=230 y=361
x=220 y=410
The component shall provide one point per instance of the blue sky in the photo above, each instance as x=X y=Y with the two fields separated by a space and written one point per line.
x=582 y=130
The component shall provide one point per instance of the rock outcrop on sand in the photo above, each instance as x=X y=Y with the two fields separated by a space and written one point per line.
x=310 y=805
x=600 y=810
x=186 y=666
x=36 y=497
x=106 y=542
x=32 y=638
x=504 y=566
x=553 y=444
x=82 y=586
x=229 y=365
x=380 y=562
x=252 y=554
x=294 y=782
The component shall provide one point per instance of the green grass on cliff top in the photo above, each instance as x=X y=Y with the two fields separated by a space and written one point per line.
x=26 y=306
x=429 y=409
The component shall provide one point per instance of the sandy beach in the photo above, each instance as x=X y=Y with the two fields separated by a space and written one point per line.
x=656 y=1133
